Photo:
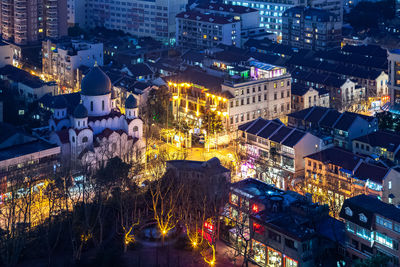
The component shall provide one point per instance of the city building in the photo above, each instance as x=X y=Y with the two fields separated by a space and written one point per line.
x=372 y=228
x=304 y=97
x=210 y=169
x=28 y=21
x=311 y=28
x=95 y=130
x=140 y=18
x=24 y=156
x=27 y=86
x=261 y=91
x=275 y=153
x=6 y=52
x=76 y=13
x=334 y=174
x=271 y=11
x=249 y=19
x=195 y=29
x=61 y=60
x=281 y=228
x=381 y=145
x=394 y=79
x=341 y=127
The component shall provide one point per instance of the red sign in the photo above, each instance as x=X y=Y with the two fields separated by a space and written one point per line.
x=254 y=208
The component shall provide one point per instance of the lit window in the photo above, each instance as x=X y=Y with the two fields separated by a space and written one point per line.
x=348 y=211
x=362 y=217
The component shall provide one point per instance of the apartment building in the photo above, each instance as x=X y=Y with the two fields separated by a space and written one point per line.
x=372 y=228
x=139 y=17
x=334 y=174
x=381 y=144
x=271 y=12
x=329 y=123
x=304 y=97
x=28 y=21
x=311 y=28
x=62 y=59
x=394 y=78
x=282 y=228
x=76 y=13
x=195 y=29
x=275 y=152
x=263 y=91
x=22 y=155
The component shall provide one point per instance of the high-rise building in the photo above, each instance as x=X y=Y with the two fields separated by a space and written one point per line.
x=271 y=11
x=140 y=18
x=28 y=21
x=311 y=28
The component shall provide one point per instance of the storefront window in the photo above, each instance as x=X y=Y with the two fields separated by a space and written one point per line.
x=260 y=254
x=290 y=262
x=235 y=199
x=274 y=258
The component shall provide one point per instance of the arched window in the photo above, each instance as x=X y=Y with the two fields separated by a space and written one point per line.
x=130 y=113
x=79 y=123
x=58 y=113
x=73 y=139
x=84 y=139
x=91 y=105
x=102 y=105
x=135 y=128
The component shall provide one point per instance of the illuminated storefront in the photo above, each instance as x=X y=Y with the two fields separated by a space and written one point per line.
x=274 y=258
x=260 y=252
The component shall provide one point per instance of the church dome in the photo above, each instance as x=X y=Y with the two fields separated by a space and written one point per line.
x=60 y=102
x=80 y=112
x=131 y=102
x=96 y=82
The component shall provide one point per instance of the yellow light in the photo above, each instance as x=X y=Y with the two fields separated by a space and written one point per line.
x=197 y=114
x=207 y=94
x=213 y=96
x=225 y=114
x=169 y=83
x=212 y=263
x=219 y=98
x=175 y=97
x=205 y=36
x=224 y=99
x=219 y=113
x=182 y=84
x=164 y=232
x=175 y=84
x=194 y=244
x=40 y=30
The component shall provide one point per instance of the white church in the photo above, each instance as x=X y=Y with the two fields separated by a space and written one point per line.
x=95 y=130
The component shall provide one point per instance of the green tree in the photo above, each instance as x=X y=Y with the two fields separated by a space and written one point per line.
x=378 y=260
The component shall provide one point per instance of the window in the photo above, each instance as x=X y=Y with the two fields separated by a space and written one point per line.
x=265 y=96
x=348 y=211
x=73 y=139
x=382 y=221
x=259 y=229
x=84 y=139
x=362 y=217
x=383 y=240
x=274 y=236
x=91 y=105
x=235 y=199
x=275 y=96
x=282 y=94
x=357 y=145
x=396 y=227
x=135 y=129
x=390 y=185
x=289 y=243
x=102 y=105
x=275 y=85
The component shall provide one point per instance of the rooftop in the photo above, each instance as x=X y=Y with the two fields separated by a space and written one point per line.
x=25 y=149
x=384 y=139
x=209 y=18
x=226 y=8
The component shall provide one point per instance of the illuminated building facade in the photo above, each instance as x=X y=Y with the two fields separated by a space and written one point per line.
x=264 y=91
x=275 y=152
x=28 y=21
x=372 y=228
x=394 y=78
x=61 y=60
x=311 y=28
x=335 y=174
x=283 y=227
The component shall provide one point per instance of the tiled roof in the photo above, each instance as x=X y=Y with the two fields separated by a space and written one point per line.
x=388 y=140
x=371 y=172
x=226 y=8
x=337 y=156
x=293 y=138
x=280 y=134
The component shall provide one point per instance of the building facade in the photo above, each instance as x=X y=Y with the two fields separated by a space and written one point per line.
x=24 y=22
x=304 y=97
x=140 y=18
x=334 y=174
x=372 y=228
x=61 y=60
x=96 y=130
x=311 y=28
x=198 y=30
x=275 y=153
x=394 y=77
